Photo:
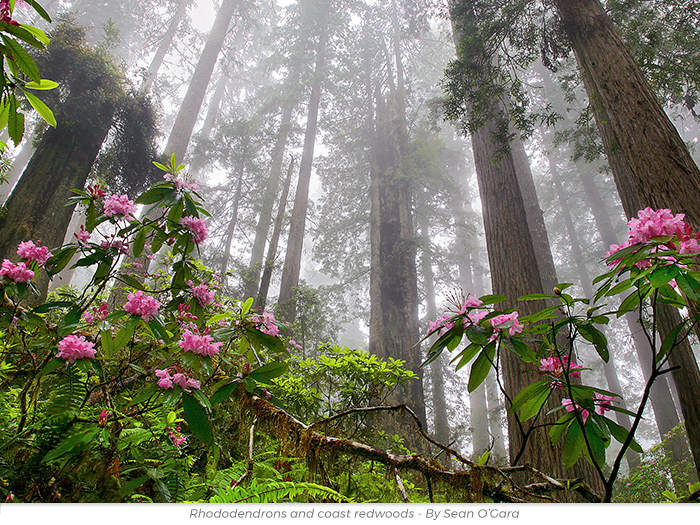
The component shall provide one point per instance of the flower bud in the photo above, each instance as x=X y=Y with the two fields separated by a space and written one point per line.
x=557 y=290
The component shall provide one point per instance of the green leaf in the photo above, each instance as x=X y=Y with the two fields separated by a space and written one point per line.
x=61 y=259
x=619 y=287
x=22 y=58
x=536 y=399
x=155 y=195
x=491 y=299
x=23 y=34
x=573 y=446
x=273 y=343
x=597 y=446
x=39 y=10
x=482 y=366
x=41 y=108
x=689 y=286
x=158 y=330
x=592 y=334
x=45 y=84
x=245 y=307
x=108 y=345
x=125 y=334
x=132 y=281
x=561 y=426
x=669 y=342
x=451 y=338
x=527 y=393
x=37 y=34
x=466 y=355
x=15 y=121
x=196 y=417
x=46 y=307
x=222 y=393
x=535 y=297
x=266 y=373
x=551 y=312
x=52 y=365
x=139 y=242
x=663 y=275
x=520 y=349
x=620 y=434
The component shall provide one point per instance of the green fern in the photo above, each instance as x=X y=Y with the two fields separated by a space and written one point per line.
x=69 y=395
x=270 y=491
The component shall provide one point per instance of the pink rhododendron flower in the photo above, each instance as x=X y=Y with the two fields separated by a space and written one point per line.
x=5 y=15
x=181 y=183
x=192 y=341
x=115 y=244
x=654 y=223
x=96 y=192
x=176 y=437
x=470 y=302
x=602 y=402
x=266 y=324
x=199 y=228
x=102 y=420
x=441 y=325
x=142 y=305
x=119 y=205
x=614 y=248
x=165 y=380
x=33 y=252
x=202 y=293
x=507 y=321
x=97 y=314
x=571 y=406
x=689 y=247
x=556 y=366
x=183 y=316
x=74 y=347
x=83 y=235
x=19 y=272
x=184 y=382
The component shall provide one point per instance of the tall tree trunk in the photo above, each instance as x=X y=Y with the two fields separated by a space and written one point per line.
x=261 y=298
x=36 y=209
x=295 y=243
x=19 y=163
x=650 y=163
x=441 y=425
x=165 y=43
x=234 y=214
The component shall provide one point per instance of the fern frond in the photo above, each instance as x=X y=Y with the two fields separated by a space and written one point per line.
x=269 y=491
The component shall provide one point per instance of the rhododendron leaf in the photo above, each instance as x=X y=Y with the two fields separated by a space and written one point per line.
x=21 y=57
x=478 y=334
x=190 y=206
x=41 y=108
x=592 y=334
x=46 y=307
x=663 y=275
x=69 y=321
x=562 y=425
x=265 y=374
x=158 y=330
x=139 y=242
x=597 y=446
x=535 y=297
x=466 y=355
x=520 y=349
x=222 y=393
x=620 y=434
x=574 y=444
x=125 y=334
x=482 y=366
x=669 y=342
x=59 y=261
x=630 y=303
x=619 y=287
x=245 y=307
x=131 y=281
x=669 y=295
x=527 y=393
x=535 y=401
x=689 y=286
x=201 y=398
x=35 y=38
x=103 y=270
x=273 y=343
x=45 y=84
x=546 y=313
x=107 y=343
x=491 y=299
x=197 y=420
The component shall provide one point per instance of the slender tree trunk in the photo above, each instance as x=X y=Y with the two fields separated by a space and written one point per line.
x=261 y=298
x=441 y=425
x=19 y=163
x=234 y=214
x=295 y=243
x=189 y=110
x=164 y=46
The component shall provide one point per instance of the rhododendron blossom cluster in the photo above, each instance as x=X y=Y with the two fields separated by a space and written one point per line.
x=142 y=305
x=181 y=183
x=507 y=321
x=167 y=380
x=72 y=347
x=266 y=324
x=199 y=228
x=33 y=252
x=202 y=344
x=19 y=272
x=653 y=224
x=176 y=437
x=571 y=406
x=602 y=402
x=202 y=293
x=556 y=366
x=119 y=205
x=83 y=235
x=97 y=314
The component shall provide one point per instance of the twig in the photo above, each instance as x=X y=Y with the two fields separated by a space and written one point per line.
x=399 y=484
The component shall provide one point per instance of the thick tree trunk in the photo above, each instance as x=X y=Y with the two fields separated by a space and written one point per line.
x=295 y=243
x=650 y=163
x=261 y=298
x=36 y=209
